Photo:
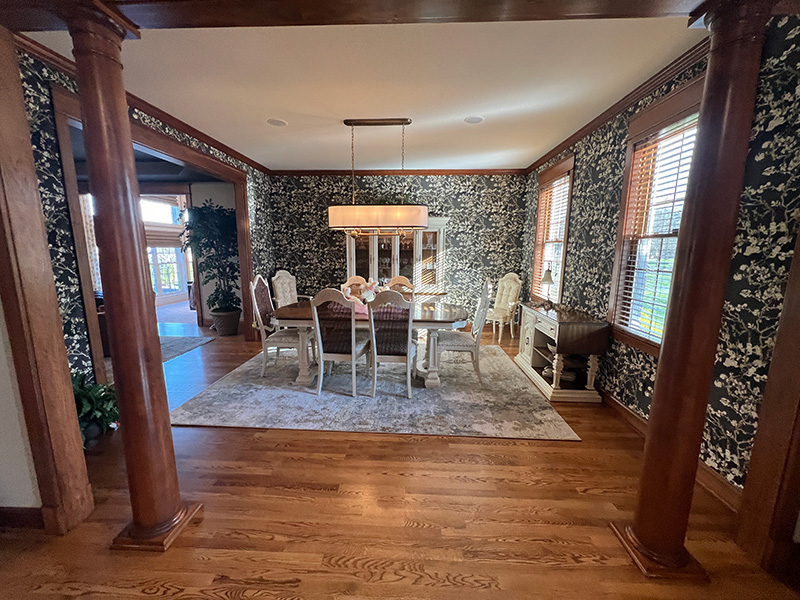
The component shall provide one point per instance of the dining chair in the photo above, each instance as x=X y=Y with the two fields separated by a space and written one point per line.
x=505 y=303
x=390 y=325
x=357 y=284
x=271 y=337
x=403 y=285
x=337 y=338
x=284 y=285
x=467 y=341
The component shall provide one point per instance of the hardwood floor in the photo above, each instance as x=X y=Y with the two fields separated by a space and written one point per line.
x=313 y=515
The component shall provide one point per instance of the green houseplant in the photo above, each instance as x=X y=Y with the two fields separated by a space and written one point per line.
x=210 y=232
x=96 y=405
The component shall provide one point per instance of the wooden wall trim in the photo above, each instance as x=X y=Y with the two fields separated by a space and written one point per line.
x=35 y=330
x=394 y=172
x=621 y=334
x=54 y=59
x=681 y=103
x=771 y=504
x=14 y=516
x=79 y=236
x=683 y=62
x=708 y=478
x=555 y=171
x=168 y=187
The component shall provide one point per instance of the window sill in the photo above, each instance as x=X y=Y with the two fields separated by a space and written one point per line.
x=626 y=336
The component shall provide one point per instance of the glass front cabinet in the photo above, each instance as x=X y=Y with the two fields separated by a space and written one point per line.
x=418 y=255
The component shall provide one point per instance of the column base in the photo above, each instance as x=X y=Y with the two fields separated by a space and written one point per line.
x=691 y=571
x=191 y=513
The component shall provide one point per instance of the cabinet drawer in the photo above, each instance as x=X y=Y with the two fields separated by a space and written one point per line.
x=546 y=327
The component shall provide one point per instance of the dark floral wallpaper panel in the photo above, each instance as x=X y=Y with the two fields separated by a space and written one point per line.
x=483 y=236
x=767 y=231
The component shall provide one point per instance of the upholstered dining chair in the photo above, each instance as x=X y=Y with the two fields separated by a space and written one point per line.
x=468 y=341
x=403 y=285
x=390 y=325
x=284 y=285
x=271 y=337
x=338 y=340
x=505 y=303
x=357 y=284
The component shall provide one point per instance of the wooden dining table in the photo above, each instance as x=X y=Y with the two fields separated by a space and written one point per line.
x=430 y=315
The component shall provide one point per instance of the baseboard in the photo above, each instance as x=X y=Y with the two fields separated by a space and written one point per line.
x=708 y=478
x=12 y=516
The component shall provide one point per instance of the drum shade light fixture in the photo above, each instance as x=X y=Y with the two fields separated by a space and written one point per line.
x=376 y=219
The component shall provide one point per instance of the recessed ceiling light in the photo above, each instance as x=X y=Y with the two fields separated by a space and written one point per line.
x=277 y=122
x=473 y=120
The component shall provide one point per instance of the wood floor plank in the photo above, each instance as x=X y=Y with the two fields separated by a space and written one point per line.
x=319 y=515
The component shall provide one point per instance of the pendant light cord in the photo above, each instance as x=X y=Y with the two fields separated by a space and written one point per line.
x=353 y=160
x=403 y=148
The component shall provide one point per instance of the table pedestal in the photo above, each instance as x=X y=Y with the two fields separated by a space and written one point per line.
x=304 y=377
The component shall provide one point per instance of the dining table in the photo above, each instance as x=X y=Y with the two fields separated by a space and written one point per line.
x=430 y=315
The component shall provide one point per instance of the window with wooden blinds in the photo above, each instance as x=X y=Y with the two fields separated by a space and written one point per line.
x=551 y=226
x=658 y=176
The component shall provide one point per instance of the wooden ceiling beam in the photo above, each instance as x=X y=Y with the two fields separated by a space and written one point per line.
x=164 y=14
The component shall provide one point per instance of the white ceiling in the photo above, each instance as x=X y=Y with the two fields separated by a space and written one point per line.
x=535 y=83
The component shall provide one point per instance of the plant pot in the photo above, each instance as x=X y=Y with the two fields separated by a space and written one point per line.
x=226 y=323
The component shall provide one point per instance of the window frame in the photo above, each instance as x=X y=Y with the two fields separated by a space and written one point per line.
x=566 y=166
x=680 y=104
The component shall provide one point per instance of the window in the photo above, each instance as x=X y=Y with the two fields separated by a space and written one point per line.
x=167 y=270
x=551 y=229
x=659 y=171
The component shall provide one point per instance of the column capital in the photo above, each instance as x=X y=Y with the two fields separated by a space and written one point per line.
x=732 y=20
x=93 y=16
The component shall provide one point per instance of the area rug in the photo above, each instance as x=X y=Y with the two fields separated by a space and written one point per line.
x=505 y=405
x=171 y=346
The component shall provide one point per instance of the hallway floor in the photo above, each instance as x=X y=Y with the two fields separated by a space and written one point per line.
x=319 y=515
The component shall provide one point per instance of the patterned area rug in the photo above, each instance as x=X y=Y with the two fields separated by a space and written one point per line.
x=171 y=346
x=506 y=405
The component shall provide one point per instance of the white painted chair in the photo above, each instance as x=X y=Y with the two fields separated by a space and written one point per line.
x=263 y=309
x=338 y=340
x=505 y=303
x=403 y=285
x=357 y=284
x=463 y=341
x=285 y=286
x=390 y=325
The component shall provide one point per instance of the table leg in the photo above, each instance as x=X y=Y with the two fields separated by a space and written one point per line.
x=593 y=364
x=432 y=378
x=304 y=377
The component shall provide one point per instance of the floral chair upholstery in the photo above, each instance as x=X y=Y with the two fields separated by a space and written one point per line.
x=285 y=286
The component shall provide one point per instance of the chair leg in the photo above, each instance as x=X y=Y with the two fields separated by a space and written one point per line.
x=264 y=362
x=320 y=374
x=502 y=327
x=477 y=364
x=408 y=377
x=374 y=364
x=511 y=327
x=277 y=355
x=353 y=369
x=494 y=323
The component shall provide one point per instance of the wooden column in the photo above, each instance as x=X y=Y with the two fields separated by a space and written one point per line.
x=30 y=305
x=656 y=537
x=158 y=512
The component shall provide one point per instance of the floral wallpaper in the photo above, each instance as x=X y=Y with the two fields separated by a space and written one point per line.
x=483 y=236
x=768 y=222
x=36 y=79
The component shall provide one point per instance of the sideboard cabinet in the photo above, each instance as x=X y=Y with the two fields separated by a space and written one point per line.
x=417 y=255
x=559 y=351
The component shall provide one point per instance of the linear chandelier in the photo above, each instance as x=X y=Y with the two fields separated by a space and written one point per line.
x=376 y=219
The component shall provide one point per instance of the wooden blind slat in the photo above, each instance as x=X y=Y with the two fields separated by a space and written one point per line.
x=551 y=223
x=657 y=186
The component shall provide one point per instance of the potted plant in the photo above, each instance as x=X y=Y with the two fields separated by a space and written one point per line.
x=97 y=407
x=210 y=231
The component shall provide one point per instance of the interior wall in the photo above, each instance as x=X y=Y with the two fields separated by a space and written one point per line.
x=767 y=229
x=483 y=236
x=18 y=483
x=221 y=194
x=37 y=79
